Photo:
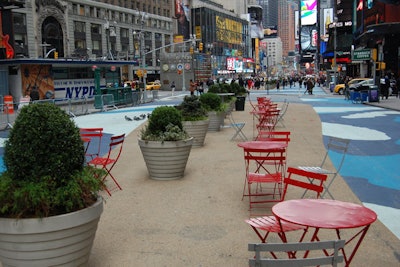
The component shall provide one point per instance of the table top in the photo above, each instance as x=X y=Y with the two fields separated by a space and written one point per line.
x=262 y=145
x=324 y=213
x=225 y=94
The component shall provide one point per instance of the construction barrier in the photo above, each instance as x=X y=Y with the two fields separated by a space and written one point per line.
x=8 y=104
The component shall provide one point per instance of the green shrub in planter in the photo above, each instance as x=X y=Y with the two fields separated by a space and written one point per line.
x=215 y=88
x=164 y=124
x=192 y=109
x=45 y=171
x=211 y=102
x=238 y=90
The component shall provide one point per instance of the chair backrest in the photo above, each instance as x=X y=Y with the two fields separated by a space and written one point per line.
x=115 y=146
x=339 y=145
x=283 y=109
x=94 y=135
x=257 y=160
x=277 y=136
x=301 y=178
x=332 y=259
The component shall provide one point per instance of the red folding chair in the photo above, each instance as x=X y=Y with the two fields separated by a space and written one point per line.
x=269 y=224
x=268 y=120
x=92 y=137
x=264 y=175
x=277 y=136
x=108 y=162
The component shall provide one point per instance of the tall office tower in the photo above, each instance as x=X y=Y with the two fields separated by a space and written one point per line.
x=270 y=11
x=286 y=25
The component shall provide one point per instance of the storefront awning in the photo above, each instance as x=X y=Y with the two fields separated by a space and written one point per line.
x=376 y=32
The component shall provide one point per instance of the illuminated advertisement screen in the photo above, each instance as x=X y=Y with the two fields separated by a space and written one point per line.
x=309 y=38
x=308 y=12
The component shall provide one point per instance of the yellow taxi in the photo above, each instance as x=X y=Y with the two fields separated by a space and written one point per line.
x=339 y=88
x=153 y=85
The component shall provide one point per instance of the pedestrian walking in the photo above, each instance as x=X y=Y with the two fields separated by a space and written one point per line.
x=173 y=86
x=192 y=87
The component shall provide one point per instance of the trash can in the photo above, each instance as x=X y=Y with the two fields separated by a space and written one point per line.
x=135 y=97
x=373 y=94
x=331 y=86
x=239 y=104
x=155 y=94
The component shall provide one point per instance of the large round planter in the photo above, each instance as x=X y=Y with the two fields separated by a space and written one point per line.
x=216 y=120
x=166 y=160
x=198 y=130
x=63 y=240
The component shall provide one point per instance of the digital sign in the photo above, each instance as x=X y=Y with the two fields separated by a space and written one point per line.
x=308 y=12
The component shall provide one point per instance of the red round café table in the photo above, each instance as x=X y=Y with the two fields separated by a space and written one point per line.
x=327 y=214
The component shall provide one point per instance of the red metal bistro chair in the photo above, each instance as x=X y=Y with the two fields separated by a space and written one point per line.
x=92 y=137
x=269 y=224
x=264 y=175
x=275 y=136
x=108 y=161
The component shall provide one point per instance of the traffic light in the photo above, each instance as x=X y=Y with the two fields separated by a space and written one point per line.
x=55 y=55
x=191 y=50
x=200 y=47
x=380 y=66
x=374 y=54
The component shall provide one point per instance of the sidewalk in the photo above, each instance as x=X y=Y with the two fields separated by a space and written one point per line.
x=199 y=220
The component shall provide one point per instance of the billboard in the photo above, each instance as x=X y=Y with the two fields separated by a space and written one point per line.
x=256 y=27
x=328 y=19
x=182 y=14
x=309 y=38
x=271 y=32
x=308 y=12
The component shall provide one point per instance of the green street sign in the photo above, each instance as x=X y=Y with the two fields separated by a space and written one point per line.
x=361 y=55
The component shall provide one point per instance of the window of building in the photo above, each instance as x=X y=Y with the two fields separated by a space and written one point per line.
x=95 y=28
x=79 y=26
x=82 y=10
x=124 y=33
x=96 y=44
x=80 y=44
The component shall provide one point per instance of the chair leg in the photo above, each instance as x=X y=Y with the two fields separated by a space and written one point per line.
x=326 y=191
x=112 y=177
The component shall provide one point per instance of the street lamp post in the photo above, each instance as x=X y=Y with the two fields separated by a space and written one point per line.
x=334 y=49
x=143 y=17
x=193 y=43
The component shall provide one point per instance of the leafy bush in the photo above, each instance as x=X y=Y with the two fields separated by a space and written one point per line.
x=192 y=109
x=211 y=102
x=45 y=172
x=238 y=90
x=164 y=124
x=215 y=88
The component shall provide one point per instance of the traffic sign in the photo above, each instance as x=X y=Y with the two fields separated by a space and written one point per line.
x=179 y=66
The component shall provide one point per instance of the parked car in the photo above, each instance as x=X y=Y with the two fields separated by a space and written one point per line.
x=153 y=85
x=356 y=86
x=339 y=88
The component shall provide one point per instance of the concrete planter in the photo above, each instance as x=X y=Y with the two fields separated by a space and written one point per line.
x=198 y=130
x=216 y=120
x=51 y=241
x=166 y=160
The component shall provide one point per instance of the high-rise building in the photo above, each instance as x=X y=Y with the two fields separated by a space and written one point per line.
x=270 y=9
x=286 y=25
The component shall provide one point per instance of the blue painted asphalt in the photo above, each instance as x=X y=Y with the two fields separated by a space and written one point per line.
x=371 y=166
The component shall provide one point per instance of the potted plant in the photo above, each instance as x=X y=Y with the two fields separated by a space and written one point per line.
x=240 y=95
x=194 y=119
x=165 y=145
x=215 y=110
x=49 y=206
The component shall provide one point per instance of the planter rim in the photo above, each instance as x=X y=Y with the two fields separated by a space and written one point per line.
x=141 y=141
x=28 y=225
